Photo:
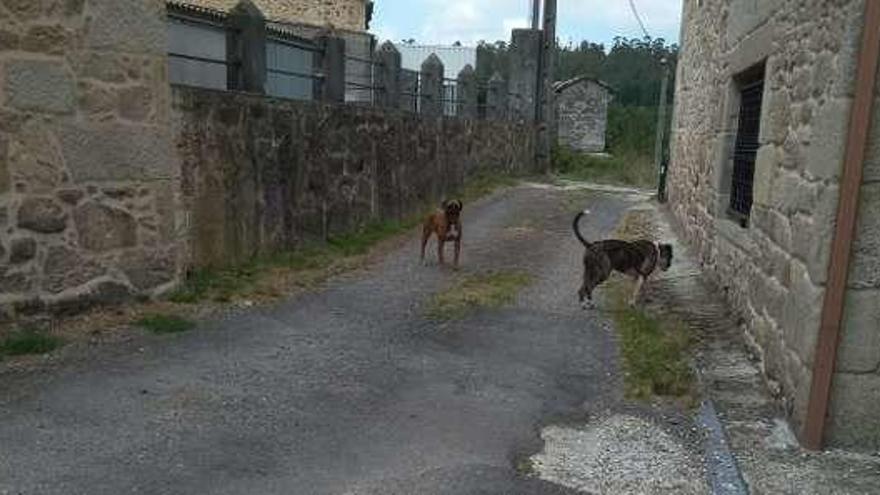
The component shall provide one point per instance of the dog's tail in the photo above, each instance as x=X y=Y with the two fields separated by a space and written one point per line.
x=576 y=227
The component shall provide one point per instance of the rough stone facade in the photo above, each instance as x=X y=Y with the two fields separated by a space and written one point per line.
x=261 y=176
x=582 y=114
x=87 y=174
x=774 y=270
x=342 y=14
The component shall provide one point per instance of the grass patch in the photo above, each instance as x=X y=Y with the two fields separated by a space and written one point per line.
x=489 y=290
x=29 y=341
x=313 y=262
x=655 y=349
x=626 y=169
x=165 y=324
x=655 y=352
x=524 y=466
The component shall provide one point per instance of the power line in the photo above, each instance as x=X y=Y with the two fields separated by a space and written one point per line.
x=635 y=11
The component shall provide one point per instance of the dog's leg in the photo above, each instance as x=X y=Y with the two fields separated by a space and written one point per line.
x=635 y=296
x=585 y=295
x=426 y=234
x=441 y=240
x=457 y=248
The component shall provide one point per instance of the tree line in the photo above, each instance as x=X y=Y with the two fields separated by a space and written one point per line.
x=632 y=66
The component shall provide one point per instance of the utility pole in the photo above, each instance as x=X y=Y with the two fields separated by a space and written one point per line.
x=536 y=14
x=546 y=107
x=660 y=163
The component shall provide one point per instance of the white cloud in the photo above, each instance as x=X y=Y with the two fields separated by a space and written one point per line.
x=469 y=21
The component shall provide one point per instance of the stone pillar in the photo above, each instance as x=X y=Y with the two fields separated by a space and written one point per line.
x=246 y=48
x=330 y=63
x=388 y=75
x=496 y=98
x=467 y=93
x=525 y=49
x=546 y=93
x=431 y=91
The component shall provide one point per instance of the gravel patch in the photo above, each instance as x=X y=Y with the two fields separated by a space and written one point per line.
x=619 y=454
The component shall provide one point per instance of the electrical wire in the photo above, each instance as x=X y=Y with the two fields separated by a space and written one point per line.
x=635 y=11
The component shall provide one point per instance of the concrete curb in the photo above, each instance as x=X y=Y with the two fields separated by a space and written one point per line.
x=722 y=469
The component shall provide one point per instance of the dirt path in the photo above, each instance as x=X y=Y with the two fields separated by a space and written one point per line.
x=352 y=389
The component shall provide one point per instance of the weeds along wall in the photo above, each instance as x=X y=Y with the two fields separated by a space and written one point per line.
x=261 y=175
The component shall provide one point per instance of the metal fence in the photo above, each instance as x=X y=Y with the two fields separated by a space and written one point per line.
x=290 y=62
x=197 y=48
x=210 y=49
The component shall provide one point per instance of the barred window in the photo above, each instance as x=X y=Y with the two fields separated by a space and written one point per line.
x=745 y=151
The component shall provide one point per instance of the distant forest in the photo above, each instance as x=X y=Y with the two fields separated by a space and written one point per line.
x=631 y=66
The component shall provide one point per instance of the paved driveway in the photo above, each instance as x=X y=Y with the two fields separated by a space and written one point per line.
x=346 y=390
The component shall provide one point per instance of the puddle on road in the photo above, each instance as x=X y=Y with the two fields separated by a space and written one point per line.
x=620 y=454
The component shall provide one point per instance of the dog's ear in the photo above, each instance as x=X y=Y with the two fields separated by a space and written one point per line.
x=459 y=204
x=444 y=204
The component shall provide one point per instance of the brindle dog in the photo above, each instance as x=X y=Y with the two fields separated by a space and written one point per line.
x=446 y=223
x=638 y=259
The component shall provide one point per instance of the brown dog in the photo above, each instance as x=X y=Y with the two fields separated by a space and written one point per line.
x=446 y=223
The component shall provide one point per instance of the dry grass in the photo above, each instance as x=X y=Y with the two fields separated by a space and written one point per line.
x=490 y=290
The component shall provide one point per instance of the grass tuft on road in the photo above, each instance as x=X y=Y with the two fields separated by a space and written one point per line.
x=655 y=348
x=165 y=324
x=29 y=341
x=625 y=169
x=489 y=290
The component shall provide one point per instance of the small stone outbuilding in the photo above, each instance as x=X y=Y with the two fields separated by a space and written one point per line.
x=765 y=92
x=582 y=113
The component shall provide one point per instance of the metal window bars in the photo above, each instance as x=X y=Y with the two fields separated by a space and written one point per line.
x=746 y=150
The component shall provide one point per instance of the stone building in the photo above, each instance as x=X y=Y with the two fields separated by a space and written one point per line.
x=88 y=181
x=582 y=113
x=764 y=97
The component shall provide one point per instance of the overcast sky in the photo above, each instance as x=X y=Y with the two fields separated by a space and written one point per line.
x=469 y=21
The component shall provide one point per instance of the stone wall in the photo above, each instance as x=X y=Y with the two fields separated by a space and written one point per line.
x=263 y=175
x=87 y=176
x=774 y=271
x=582 y=115
x=343 y=14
